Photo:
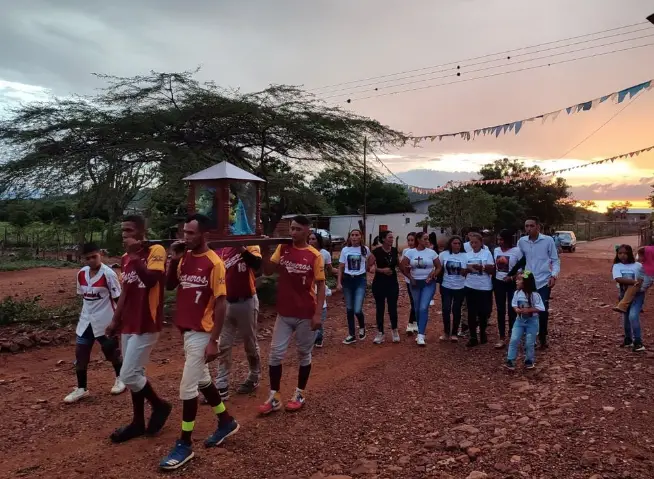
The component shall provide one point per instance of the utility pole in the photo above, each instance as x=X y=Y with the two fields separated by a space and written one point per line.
x=365 y=188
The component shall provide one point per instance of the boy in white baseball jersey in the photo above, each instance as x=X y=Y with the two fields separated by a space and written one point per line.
x=99 y=287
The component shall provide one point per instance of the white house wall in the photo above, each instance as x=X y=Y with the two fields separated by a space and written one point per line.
x=400 y=224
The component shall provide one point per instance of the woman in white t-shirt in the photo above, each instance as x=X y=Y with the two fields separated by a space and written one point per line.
x=352 y=280
x=628 y=272
x=412 y=326
x=315 y=240
x=453 y=262
x=507 y=256
x=419 y=264
x=479 y=289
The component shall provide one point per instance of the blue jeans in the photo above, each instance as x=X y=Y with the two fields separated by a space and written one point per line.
x=544 y=316
x=354 y=291
x=632 y=318
x=422 y=293
x=321 y=331
x=528 y=327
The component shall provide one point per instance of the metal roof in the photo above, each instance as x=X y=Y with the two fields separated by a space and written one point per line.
x=223 y=171
x=639 y=211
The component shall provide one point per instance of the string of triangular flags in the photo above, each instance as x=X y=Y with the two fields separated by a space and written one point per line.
x=527 y=176
x=516 y=126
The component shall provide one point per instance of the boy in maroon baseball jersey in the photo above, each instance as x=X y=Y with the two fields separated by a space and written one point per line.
x=199 y=276
x=241 y=263
x=139 y=317
x=300 y=289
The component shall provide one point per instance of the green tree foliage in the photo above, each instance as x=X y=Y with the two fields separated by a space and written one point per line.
x=617 y=210
x=343 y=190
x=537 y=197
x=462 y=207
x=152 y=130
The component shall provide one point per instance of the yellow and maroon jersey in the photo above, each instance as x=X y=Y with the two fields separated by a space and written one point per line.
x=143 y=306
x=239 y=277
x=299 y=270
x=201 y=280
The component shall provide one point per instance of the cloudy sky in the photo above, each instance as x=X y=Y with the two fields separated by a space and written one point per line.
x=53 y=46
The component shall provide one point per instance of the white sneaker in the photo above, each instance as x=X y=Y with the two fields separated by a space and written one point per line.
x=362 y=334
x=118 y=387
x=379 y=338
x=76 y=395
x=421 y=340
x=396 y=336
x=432 y=303
x=444 y=337
x=410 y=329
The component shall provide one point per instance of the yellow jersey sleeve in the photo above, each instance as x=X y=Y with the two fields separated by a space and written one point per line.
x=157 y=258
x=254 y=250
x=218 y=285
x=319 y=268
x=277 y=255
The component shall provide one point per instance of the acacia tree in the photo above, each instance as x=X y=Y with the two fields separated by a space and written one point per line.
x=156 y=129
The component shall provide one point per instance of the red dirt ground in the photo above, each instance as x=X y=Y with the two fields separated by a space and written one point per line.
x=389 y=411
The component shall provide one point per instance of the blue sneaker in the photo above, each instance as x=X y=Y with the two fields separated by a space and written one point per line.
x=222 y=433
x=178 y=456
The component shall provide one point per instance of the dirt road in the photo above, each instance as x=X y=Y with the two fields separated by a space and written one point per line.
x=389 y=411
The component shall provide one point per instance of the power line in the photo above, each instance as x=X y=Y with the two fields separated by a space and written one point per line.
x=388 y=169
x=479 y=57
x=458 y=69
x=500 y=73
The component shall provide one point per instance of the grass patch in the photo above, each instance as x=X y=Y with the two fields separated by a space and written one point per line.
x=22 y=264
x=14 y=311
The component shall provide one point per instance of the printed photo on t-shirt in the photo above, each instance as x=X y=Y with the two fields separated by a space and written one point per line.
x=502 y=263
x=628 y=274
x=453 y=268
x=420 y=263
x=479 y=262
x=354 y=262
x=524 y=304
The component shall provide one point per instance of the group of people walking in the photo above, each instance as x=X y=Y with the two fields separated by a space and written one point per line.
x=470 y=275
x=216 y=300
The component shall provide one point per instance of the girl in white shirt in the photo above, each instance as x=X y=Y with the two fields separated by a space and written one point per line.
x=507 y=256
x=527 y=303
x=479 y=289
x=453 y=262
x=352 y=280
x=420 y=266
x=628 y=272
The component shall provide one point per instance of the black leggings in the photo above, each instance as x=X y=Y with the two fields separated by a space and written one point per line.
x=452 y=301
x=385 y=290
x=480 y=306
x=503 y=296
x=83 y=348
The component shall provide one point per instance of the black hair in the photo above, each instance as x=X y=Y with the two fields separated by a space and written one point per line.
x=376 y=241
x=204 y=223
x=630 y=254
x=529 y=287
x=535 y=219
x=319 y=239
x=89 y=248
x=452 y=240
x=433 y=239
x=138 y=221
x=507 y=237
x=301 y=220
x=413 y=233
x=465 y=231
x=382 y=236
